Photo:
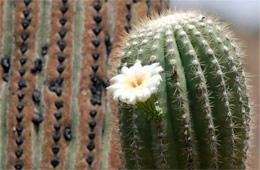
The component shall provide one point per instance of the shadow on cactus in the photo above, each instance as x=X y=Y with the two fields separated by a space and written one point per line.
x=182 y=95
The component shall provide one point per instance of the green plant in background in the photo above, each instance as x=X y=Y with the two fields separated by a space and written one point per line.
x=203 y=96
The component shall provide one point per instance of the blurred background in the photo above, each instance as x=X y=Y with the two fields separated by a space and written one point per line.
x=243 y=17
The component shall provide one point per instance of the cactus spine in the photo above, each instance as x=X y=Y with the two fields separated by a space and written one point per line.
x=203 y=96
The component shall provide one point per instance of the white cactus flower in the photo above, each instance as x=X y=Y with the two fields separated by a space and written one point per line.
x=136 y=83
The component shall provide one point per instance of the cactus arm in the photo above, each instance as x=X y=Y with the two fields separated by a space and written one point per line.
x=72 y=148
x=198 y=96
x=41 y=40
x=6 y=52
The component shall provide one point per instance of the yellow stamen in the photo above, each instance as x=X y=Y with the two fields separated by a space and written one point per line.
x=135 y=81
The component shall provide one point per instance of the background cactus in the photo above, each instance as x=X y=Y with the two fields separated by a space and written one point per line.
x=203 y=96
x=54 y=55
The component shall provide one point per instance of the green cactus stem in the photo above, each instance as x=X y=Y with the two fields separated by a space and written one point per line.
x=203 y=96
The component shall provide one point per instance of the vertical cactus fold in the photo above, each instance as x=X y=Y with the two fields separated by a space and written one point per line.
x=6 y=53
x=37 y=94
x=72 y=148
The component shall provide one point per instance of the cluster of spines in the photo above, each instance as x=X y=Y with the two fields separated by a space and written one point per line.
x=222 y=87
x=221 y=62
x=162 y=163
x=238 y=81
x=135 y=139
x=193 y=67
x=162 y=148
x=218 y=75
x=179 y=97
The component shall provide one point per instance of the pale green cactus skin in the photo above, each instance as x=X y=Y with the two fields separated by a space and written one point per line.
x=203 y=95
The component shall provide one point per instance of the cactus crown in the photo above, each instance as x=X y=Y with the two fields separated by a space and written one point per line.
x=203 y=95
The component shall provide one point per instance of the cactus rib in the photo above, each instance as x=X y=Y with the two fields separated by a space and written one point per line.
x=75 y=82
x=7 y=41
x=42 y=41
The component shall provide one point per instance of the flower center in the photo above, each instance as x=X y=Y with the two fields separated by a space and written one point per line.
x=136 y=81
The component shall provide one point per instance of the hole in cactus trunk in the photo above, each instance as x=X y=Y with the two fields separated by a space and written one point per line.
x=67 y=134
x=18 y=165
x=55 y=162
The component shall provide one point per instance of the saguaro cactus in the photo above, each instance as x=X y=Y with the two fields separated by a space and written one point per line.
x=53 y=107
x=203 y=95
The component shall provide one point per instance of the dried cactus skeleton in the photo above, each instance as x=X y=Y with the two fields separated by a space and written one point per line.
x=203 y=96
x=54 y=111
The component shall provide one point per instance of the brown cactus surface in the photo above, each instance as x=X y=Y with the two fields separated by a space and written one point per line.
x=54 y=111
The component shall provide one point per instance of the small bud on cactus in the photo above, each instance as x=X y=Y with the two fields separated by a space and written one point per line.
x=205 y=109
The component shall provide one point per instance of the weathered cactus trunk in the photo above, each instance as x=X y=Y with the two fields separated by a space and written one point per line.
x=54 y=112
x=203 y=96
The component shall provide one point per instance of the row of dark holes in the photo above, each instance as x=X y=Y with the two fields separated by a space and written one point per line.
x=97 y=83
x=96 y=87
x=128 y=16
x=21 y=84
x=56 y=87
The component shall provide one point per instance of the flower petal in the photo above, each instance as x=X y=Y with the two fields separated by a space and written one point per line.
x=114 y=87
x=118 y=78
x=125 y=70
